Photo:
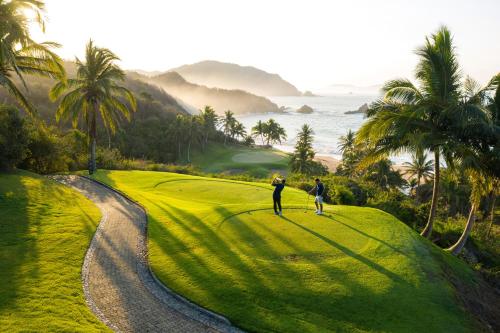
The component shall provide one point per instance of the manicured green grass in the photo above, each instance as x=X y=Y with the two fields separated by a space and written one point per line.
x=355 y=269
x=45 y=229
x=258 y=162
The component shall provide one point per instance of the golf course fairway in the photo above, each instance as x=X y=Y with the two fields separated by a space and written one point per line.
x=45 y=230
x=218 y=243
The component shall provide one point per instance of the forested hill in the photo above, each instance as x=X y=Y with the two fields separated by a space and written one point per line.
x=232 y=76
x=151 y=99
x=238 y=101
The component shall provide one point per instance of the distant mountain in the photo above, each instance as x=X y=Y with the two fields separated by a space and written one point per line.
x=238 y=101
x=145 y=73
x=232 y=76
x=350 y=89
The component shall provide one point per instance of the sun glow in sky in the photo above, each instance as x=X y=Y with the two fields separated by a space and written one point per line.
x=310 y=43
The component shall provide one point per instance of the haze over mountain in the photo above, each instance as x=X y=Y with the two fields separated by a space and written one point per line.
x=342 y=89
x=232 y=76
x=238 y=101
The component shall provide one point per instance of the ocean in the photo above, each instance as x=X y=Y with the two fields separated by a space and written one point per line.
x=328 y=121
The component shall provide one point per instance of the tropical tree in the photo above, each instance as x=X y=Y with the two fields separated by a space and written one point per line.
x=228 y=123
x=259 y=130
x=20 y=55
x=177 y=133
x=208 y=120
x=94 y=93
x=408 y=117
x=347 y=143
x=195 y=129
x=274 y=132
x=382 y=174
x=482 y=182
x=238 y=130
x=304 y=152
x=479 y=150
x=419 y=168
x=352 y=153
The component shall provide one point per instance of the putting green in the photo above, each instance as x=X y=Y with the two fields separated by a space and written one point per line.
x=218 y=243
x=258 y=162
x=254 y=157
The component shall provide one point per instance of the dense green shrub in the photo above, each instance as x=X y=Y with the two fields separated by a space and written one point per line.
x=13 y=138
x=399 y=205
x=342 y=195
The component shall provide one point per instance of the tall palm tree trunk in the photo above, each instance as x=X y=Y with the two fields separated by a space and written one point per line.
x=417 y=190
x=435 y=194
x=458 y=246
x=93 y=138
x=179 y=149
x=493 y=199
x=109 y=136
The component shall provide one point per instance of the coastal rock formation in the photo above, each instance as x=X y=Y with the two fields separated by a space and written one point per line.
x=308 y=93
x=362 y=109
x=305 y=109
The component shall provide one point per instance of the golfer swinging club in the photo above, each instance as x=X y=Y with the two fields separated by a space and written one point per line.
x=318 y=191
x=279 y=185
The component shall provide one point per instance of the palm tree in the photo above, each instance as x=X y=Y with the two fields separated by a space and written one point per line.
x=177 y=132
x=195 y=132
x=19 y=54
x=478 y=151
x=482 y=182
x=209 y=121
x=419 y=168
x=94 y=92
x=227 y=124
x=238 y=130
x=347 y=142
x=259 y=130
x=304 y=153
x=274 y=132
x=408 y=117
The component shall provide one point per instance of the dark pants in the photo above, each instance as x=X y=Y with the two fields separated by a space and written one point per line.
x=277 y=203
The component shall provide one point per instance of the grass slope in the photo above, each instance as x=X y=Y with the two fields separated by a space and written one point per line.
x=45 y=229
x=353 y=270
x=258 y=162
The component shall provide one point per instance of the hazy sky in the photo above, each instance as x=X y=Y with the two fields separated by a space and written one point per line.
x=309 y=43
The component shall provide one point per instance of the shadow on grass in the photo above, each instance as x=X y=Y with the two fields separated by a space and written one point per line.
x=260 y=295
x=17 y=247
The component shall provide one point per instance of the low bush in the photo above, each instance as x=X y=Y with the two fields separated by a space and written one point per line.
x=342 y=195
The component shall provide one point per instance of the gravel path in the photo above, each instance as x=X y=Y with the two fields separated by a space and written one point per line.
x=118 y=285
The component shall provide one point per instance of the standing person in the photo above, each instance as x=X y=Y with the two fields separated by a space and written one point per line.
x=318 y=191
x=279 y=185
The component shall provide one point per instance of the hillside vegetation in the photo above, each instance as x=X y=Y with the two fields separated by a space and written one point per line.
x=45 y=229
x=354 y=269
x=39 y=87
x=238 y=101
x=232 y=76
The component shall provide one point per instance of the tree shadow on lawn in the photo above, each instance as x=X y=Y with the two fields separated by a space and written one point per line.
x=17 y=246
x=260 y=293
x=350 y=253
x=362 y=306
x=364 y=233
x=225 y=292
